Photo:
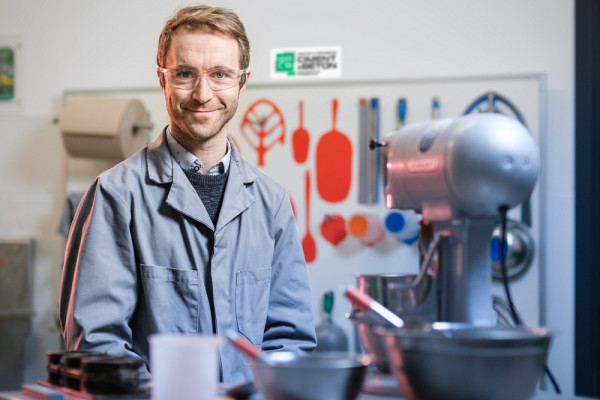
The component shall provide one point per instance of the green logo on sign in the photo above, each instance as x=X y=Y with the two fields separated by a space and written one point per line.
x=284 y=62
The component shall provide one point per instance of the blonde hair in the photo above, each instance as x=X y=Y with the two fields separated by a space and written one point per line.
x=207 y=19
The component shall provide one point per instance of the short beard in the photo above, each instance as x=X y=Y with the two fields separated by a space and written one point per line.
x=191 y=135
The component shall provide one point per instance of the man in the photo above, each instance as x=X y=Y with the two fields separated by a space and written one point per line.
x=186 y=236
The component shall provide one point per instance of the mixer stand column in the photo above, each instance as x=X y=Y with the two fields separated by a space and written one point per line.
x=465 y=275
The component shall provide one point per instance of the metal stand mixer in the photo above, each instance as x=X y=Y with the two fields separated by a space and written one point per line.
x=458 y=173
x=462 y=175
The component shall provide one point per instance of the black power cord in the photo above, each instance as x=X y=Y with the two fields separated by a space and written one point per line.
x=513 y=310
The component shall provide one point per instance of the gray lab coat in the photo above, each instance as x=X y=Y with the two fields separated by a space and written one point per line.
x=144 y=257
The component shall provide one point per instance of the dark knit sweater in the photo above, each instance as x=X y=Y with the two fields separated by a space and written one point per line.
x=210 y=189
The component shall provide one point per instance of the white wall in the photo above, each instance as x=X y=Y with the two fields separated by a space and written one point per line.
x=73 y=44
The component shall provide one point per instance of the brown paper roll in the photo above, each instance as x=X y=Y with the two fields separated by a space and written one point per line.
x=103 y=127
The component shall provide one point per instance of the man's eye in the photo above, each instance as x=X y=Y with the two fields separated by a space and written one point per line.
x=184 y=74
x=221 y=74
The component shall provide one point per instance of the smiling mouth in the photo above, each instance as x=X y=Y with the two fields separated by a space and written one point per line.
x=202 y=111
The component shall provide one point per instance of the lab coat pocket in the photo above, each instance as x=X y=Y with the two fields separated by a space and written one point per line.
x=252 y=302
x=171 y=298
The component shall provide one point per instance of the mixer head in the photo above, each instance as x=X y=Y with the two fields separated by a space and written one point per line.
x=464 y=167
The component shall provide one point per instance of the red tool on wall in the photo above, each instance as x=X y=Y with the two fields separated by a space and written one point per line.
x=334 y=163
x=263 y=120
x=300 y=139
x=333 y=228
x=308 y=242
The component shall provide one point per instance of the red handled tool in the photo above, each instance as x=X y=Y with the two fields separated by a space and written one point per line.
x=366 y=303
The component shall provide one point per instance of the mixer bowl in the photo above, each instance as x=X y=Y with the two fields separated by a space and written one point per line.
x=373 y=344
x=318 y=376
x=467 y=362
x=400 y=293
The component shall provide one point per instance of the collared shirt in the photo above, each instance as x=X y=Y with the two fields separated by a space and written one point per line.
x=188 y=161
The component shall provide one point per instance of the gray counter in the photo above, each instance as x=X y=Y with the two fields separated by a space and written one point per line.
x=16 y=395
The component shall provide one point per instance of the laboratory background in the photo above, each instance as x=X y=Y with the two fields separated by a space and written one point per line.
x=365 y=69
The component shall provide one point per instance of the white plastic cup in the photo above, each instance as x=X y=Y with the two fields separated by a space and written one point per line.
x=368 y=228
x=184 y=366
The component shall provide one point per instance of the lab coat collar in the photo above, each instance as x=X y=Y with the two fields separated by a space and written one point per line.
x=163 y=169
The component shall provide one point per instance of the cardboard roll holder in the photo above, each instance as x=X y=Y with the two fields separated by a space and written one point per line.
x=103 y=127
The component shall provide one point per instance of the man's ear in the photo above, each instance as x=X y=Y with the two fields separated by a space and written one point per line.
x=161 y=79
x=247 y=73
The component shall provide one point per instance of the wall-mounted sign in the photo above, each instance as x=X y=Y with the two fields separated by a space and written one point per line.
x=10 y=74
x=306 y=62
x=7 y=73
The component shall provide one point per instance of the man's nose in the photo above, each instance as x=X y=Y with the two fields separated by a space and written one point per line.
x=202 y=91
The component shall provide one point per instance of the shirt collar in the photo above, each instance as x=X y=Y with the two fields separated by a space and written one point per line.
x=188 y=161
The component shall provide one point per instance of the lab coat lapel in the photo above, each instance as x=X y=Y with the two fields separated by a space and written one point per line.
x=237 y=196
x=184 y=199
x=181 y=195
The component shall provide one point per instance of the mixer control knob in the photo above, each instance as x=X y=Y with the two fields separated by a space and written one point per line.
x=374 y=143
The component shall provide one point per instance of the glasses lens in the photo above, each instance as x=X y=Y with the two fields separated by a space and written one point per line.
x=222 y=78
x=181 y=78
x=218 y=78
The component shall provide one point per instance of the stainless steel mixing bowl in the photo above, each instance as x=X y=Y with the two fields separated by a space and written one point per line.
x=467 y=362
x=398 y=292
x=373 y=344
x=319 y=376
